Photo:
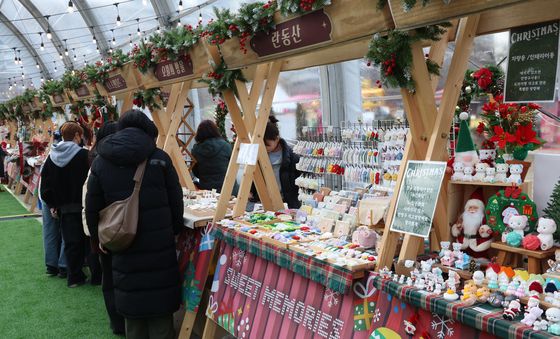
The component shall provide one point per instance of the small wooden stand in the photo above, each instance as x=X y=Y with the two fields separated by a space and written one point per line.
x=536 y=264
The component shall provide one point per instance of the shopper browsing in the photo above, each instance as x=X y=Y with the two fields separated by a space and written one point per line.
x=62 y=179
x=146 y=274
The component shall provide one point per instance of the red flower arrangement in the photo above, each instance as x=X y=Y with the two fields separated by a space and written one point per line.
x=483 y=77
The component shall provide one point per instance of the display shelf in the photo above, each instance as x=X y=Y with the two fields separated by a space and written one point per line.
x=466 y=275
x=536 y=261
x=480 y=183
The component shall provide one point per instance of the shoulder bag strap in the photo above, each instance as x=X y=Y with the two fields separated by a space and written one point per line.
x=139 y=175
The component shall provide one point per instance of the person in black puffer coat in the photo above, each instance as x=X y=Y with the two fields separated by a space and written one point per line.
x=146 y=275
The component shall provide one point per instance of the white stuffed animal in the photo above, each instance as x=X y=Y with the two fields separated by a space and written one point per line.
x=546 y=229
x=501 y=172
x=480 y=171
x=515 y=171
x=517 y=223
x=532 y=316
x=458 y=168
x=553 y=317
x=490 y=175
x=468 y=173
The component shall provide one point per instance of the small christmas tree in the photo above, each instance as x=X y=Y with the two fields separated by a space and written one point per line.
x=552 y=210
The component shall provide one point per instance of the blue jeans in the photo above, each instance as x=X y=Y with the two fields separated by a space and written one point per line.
x=52 y=240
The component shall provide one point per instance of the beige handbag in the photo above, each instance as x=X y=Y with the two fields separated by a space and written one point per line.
x=118 y=222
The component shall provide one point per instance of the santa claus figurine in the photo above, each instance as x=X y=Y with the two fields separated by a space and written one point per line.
x=470 y=231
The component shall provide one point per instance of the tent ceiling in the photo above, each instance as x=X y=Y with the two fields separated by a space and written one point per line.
x=24 y=24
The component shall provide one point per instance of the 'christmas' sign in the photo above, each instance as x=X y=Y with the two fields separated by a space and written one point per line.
x=254 y=298
x=416 y=202
x=532 y=62
x=307 y=30
x=173 y=69
x=115 y=83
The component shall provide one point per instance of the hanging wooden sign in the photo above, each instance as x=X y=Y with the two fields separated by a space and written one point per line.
x=416 y=202
x=121 y=80
x=59 y=100
x=307 y=30
x=173 y=69
x=532 y=62
x=83 y=92
x=35 y=104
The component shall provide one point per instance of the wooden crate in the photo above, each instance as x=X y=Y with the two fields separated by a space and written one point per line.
x=190 y=66
x=344 y=21
x=85 y=91
x=59 y=100
x=121 y=80
x=437 y=11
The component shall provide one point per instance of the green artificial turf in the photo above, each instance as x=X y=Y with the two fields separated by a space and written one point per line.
x=9 y=205
x=33 y=305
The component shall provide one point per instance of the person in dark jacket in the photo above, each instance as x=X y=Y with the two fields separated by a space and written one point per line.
x=212 y=153
x=116 y=320
x=145 y=275
x=62 y=180
x=283 y=161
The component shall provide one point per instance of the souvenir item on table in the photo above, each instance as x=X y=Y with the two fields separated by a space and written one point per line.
x=478 y=278
x=469 y=293
x=492 y=276
x=463 y=262
x=480 y=169
x=553 y=317
x=444 y=247
x=468 y=173
x=554 y=264
x=437 y=290
x=513 y=310
x=365 y=237
x=402 y=279
x=458 y=168
x=540 y=325
x=508 y=299
x=503 y=281
x=465 y=151
x=490 y=175
x=531 y=316
x=512 y=288
x=496 y=298
x=487 y=153
x=520 y=292
x=536 y=285
x=533 y=301
x=546 y=228
x=507 y=203
x=501 y=172
x=531 y=242
x=515 y=171
x=453 y=280
x=517 y=224
x=466 y=229
x=482 y=294
x=450 y=295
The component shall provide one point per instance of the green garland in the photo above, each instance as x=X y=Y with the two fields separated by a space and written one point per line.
x=99 y=72
x=141 y=56
x=218 y=30
x=222 y=79
x=28 y=96
x=220 y=115
x=288 y=7
x=52 y=87
x=148 y=98
x=73 y=80
x=407 y=5
x=393 y=53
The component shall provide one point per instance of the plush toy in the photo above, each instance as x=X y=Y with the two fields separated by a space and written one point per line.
x=501 y=172
x=515 y=171
x=517 y=223
x=480 y=169
x=532 y=316
x=458 y=174
x=553 y=317
x=482 y=294
x=531 y=242
x=468 y=173
x=365 y=237
x=478 y=278
x=546 y=228
x=513 y=310
x=490 y=175
x=540 y=325
x=444 y=247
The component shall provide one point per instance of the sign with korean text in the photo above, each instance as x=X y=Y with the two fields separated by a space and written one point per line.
x=58 y=98
x=532 y=63
x=417 y=198
x=83 y=91
x=115 y=83
x=173 y=69
x=254 y=298
x=304 y=31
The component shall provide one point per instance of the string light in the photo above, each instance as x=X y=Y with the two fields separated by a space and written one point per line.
x=145 y=2
x=111 y=50
x=42 y=79
x=145 y=36
x=19 y=57
x=199 y=16
x=118 y=15
x=42 y=44
x=70 y=7
x=37 y=64
x=97 y=48
x=180 y=5
x=158 y=31
x=74 y=52
x=93 y=33
x=85 y=61
x=49 y=34
x=130 y=39
x=179 y=23
x=114 y=42
x=138 y=29
x=55 y=68
x=65 y=48
x=15 y=56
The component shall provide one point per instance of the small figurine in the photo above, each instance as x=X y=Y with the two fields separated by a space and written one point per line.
x=420 y=284
x=447 y=259
x=546 y=228
x=520 y=293
x=401 y=279
x=457 y=253
x=458 y=174
x=532 y=302
x=450 y=295
x=482 y=294
x=478 y=278
x=515 y=171
x=490 y=175
x=496 y=299
x=540 y=325
x=468 y=173
x=554 y=264
x=444 y=247
x=517 y=223
x=492 y=279
x=503 y=281
x=438 y=288
x=453 y=280
x=553 y=317
x=532 y=316
x=513 y=310
x=501 y=172
x=480 y=171
x=512 y=288
x=430 y=285
x=469 y=293
x=426 y=266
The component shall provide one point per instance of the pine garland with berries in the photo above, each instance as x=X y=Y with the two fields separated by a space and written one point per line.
x=150 y=98
x=393 y=53
x=99 y=72
x=220 y=115
x=252 y=19
x=222 y=79
x=288 y=7
x=52 y=87
x=73 y=79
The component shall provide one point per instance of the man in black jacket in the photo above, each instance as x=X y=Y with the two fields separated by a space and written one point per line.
x=145 y=275
x=62 y=179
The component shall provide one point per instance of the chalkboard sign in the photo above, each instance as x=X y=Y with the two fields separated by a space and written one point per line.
x=417 y=197
x=532 y=63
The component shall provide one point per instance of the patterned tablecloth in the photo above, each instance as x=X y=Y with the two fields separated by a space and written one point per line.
x=480 y=316
x=338 y=279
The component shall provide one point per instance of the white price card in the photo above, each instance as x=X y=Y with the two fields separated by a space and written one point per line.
x=248 y=154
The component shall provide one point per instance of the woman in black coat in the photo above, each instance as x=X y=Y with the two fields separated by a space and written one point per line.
x=146 y=275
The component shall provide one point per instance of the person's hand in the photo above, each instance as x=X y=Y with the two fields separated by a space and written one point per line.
x=54 y=214
x=102 y=249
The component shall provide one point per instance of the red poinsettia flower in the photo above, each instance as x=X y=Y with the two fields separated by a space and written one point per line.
x=483 y=77
x=490 y=107
x=480 y=128
x=533 y=106
x=502 y=137
x=526 y=135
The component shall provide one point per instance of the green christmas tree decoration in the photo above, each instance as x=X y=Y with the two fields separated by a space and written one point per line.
x=552 y=209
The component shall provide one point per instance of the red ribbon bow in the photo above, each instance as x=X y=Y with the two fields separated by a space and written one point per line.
x=512 y=192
